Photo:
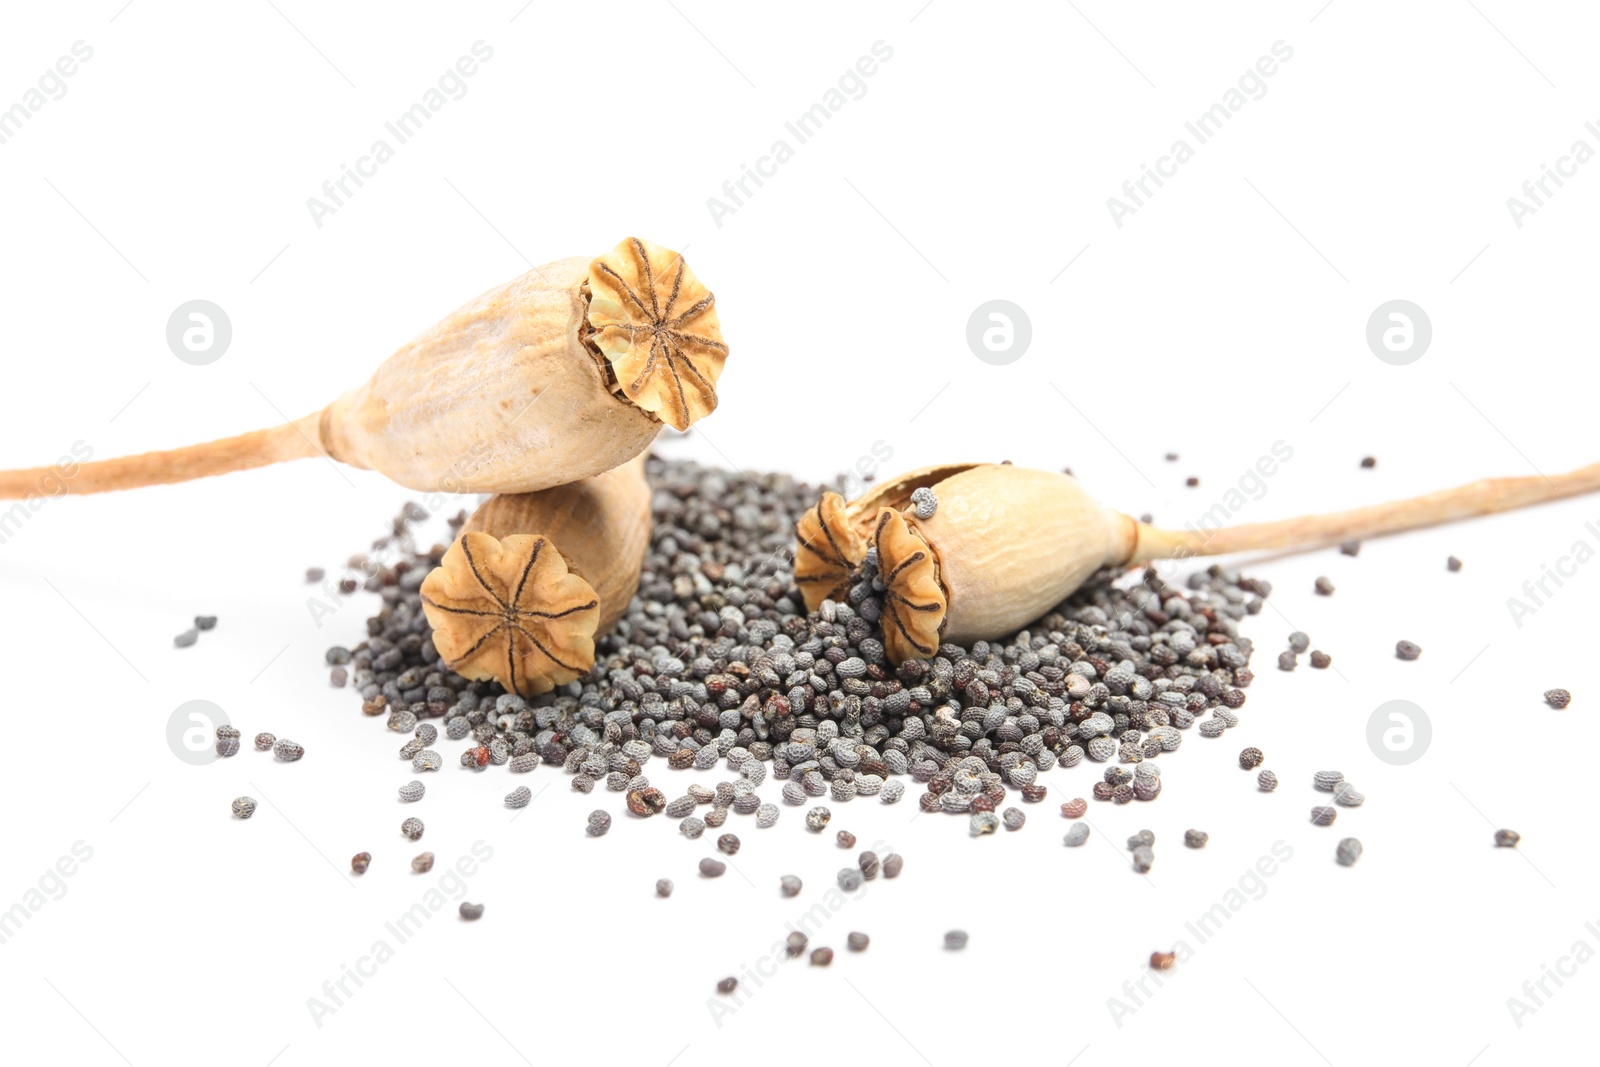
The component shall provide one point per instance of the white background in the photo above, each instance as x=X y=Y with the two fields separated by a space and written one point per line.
x=1227 y=314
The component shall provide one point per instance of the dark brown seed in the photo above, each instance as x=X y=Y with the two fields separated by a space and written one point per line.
x=1351 y=548
x=728 y=844
x=1103 y=790
x=1074 y=808
x=647 y=802
x=1320 y=660
x=869 y=864
x=1163 y=961
x=1452 y=564
x=1250 y=758
x=1557 y=698
x=1191 y=481
x=1033 y=792
x=1368 y=462
x=794 y=944
x=360 y=862
x=1122 y=794
x=846 y=839
x=821 y=957
x=1407 y=650
x=857 y=941
x=727 y=985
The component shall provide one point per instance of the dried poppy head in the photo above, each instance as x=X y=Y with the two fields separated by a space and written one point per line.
x=512 y=611
x=828 y=549
x=558 y=375
x=657 y=327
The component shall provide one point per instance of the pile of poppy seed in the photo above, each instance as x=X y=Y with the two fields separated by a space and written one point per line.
x=717 y=662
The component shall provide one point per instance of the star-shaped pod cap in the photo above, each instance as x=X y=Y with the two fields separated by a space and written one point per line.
x=657 y=327
x=827 y=550
x=914 y=601
x=511 y=610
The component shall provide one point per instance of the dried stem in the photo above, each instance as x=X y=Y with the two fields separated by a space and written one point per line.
x=1484 y=497
x=293 y=440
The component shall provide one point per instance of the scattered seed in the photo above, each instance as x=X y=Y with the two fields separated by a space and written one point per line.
x=1506 y=838
x=1286 y=660
x=265 y=741
x=892 y=865
x=1163 y=961
x=1013 y=818
x=599 y=822
x=1346 y=796
x=1077 y=834
x=1327 y=781
x=1074 y=808
x=360 y=862
x=412 y=828
x=1557 y=698
x=857 y=942
x=728 y=844
x=817 y=818
x=1299 y=642
x=1191 y=481
x=727 y=985
x=314 y=575
x=287 y=751
x=1143 y=860
x=1323 y=815
x=692 y=827
x=1368 y=462
x=1320 y=659
x=1196 y=838
x=789 y=885
x=519 y=797
x=205 y=622
x=766 y=816
x=243 y=807
x=412 y=791
x=955 y=940
x=794 y=944
x=1323 y=586
x=1452 y=564
x=846 y=839
x=926 y=503
x=821 y=957
x=1407 y=650
x=423 y=863
x=227 y=746
x=1251 y=758
x=850 y=879
x=713 y=868
x=187 y=638
x=1350 y=548
x=1348 y=852
x=1142 y=839
x=869 y=864
x=664 y=887
x=471 y=912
